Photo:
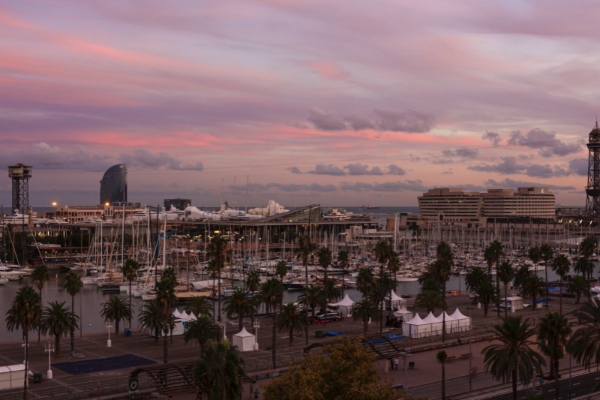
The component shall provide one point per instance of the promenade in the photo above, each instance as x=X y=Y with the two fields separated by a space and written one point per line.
x=421 y=380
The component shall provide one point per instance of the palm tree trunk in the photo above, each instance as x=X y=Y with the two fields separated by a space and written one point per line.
x=219 y=295
x=556 y=381
x=546 y=268
x=165 y=351
x=381 y=294
x=130 y=305
x=305 y=262
x=117 y=326
x=274 y=341
x=57 y=346
x=560 y=298
x=444 y=381
x=241 y=322
x=443 y=312
x=505 y=301
x=26 y=334
x=366 y=325
x=41 y=304
x=514 y=384
x=497 y=290
x=291 y=335
x=72 y=326
x=533 y=301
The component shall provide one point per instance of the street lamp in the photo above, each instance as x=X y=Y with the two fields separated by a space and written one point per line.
x=256 y=326
x=108 y=327
x=49 y=348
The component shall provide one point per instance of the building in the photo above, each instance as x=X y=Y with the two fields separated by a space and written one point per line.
x=178 y=203
x=93 y=214
x=113 y=186
x=453 y=204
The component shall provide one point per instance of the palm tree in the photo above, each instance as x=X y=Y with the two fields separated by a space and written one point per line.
x=382 y=252
x=324 y=259
x=199 y=306
x=281 y=269
x=514 y=355
x=475 y=278
x=219 y=372
x=365 y=310
x=535 y=255
x=291 y=319
x=152 y=318
x=561 y=265
x=271 y=293
x=305 y=248
x=313 y=296
x=553 y=332
x=24 y=313
x=129 y=271
x=343 y=260
x=365 y=282
x=505 y=273
x=534 y=287
x=165 y=296
x=201 y=330
x=442 y=269
x=587 y=247
x=547 y=255
x=441 y=356
x=486 y=294
x=56 y=320
x=492 y=254
x=240 y=305
x=39 y=277
x=585 y=342
x=218 y=249
x=578 y=286
x=252 y=281
x=429 y=300
x=73 y=285
x=116 y=309
x=521 y=275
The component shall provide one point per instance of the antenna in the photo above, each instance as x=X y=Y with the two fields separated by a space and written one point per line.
x=247 y=183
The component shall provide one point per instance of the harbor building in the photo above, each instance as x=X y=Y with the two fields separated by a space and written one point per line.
x=456 y=205
x=113 y=186
x=178 y=203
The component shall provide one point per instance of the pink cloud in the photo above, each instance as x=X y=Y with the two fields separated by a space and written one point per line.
x=329 y=70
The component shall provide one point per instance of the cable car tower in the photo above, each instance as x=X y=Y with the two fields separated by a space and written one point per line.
x=20 y=175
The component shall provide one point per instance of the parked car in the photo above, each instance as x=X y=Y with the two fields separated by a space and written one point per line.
x=327 y=317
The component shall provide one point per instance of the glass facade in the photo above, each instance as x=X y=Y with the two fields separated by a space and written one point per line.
x=113 y=186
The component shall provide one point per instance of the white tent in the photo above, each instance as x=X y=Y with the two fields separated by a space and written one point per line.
x=416 y=327
x=397 y=302
x=244 y=340
x=202 y=285
x=464 y=323
x=404 y=313
x=345 y=306
x=436 y=325
x=452 y=324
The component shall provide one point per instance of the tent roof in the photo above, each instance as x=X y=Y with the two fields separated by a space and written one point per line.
x=243 y=333
x=416 y=320
x=448 y=317
x=345 y=302
x=458 y=315
x=430 y=318
x=395 y=297
x=403 y=311
x=177 y=314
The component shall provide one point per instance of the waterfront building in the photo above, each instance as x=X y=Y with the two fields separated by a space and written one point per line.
x=113 y=186
x=93 y=214
x=178 y=203
x=450 y=204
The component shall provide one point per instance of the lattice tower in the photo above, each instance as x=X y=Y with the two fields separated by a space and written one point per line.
x=20 y=175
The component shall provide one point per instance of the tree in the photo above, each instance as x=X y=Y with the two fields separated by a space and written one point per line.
x=553 y=333
x=587 y=248
x=547 y=255
x=291 y=319
x=535 y=255
x=39 y=277
x=442 y=268
x=561 y=265
x=116 y=309
x=165 y=296
x=534 y=287
x=343 y=371
x=382 y=252
x=313 y=296
x=56 y=321
x=441 y=356
x=429 y=299
x=240 y=305
x=585 y=342
x=521 y=275
x=505 y=273
x=324 y=257
x=271 y=294
x=578 y=286
x=129 y=271
x=201 y=330
x=152 y=318
x=305 y=248
x=24 y=313
x=343 y=260
x=486 y=294
x=475 y=278
x=331 y=291
x=219 y=372
x=365 y=310
x=252 y=281
x=217 y=250
x=513 y=356
x=493 y=253
x=365 y=282
x=73 y=285
x=199 y=306
x=281 y=269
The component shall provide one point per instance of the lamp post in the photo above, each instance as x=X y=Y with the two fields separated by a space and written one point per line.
x=49 y=348
x=256 y=326
x=108 y=327
x=470 y=352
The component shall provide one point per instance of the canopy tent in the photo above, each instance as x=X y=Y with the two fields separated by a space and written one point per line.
x=397 y=302
x=464 y=322
x=416 y=327
x=451 y=323
x=345 y=306
x=436 y=325
x=244 y=340
x=404 y=313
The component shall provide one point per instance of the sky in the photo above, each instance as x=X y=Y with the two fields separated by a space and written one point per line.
x=332 y=102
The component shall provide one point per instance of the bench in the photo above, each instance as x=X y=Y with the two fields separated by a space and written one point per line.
x=451 y=358
x=466 y=355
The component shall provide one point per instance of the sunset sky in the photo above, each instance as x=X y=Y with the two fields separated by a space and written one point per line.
x=332 y=102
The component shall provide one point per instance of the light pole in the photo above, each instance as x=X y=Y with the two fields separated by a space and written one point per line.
x=49 y=348
x=108 y=327
x=470 y=352
x=256 y=326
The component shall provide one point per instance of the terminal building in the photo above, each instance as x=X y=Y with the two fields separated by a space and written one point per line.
x=456 y=205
